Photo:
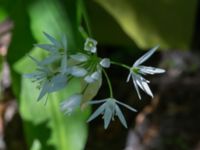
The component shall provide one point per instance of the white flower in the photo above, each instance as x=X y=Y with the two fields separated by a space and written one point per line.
x=46 y=79
x=90 y=45
x=72 y=103
x=56 y=49
x=109 y=109
x=105 y=62
x=137 y=70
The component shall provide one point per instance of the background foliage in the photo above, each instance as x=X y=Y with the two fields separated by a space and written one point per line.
x=126 y=23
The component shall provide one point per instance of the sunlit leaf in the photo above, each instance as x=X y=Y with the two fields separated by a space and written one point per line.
x=149 y=23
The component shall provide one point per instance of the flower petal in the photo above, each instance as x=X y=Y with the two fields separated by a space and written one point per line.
x=145 y=56
x=31 y=75
x=129 y=76
x=93 y=50
x=79 y=57
x=96 y=101
x=44 y=90
x=96 y=75
x=107 y=116
x=50 y=59
x=127 y=106
x=57 y=82
x=150 y=70
x=48 y=47
x=120 y=116
x=52 y=40
x=35 y=60
x=136 y=87
x=143 y=85
x=63 y=68
x=97 y=112
x=89 y=79
x=78 y=72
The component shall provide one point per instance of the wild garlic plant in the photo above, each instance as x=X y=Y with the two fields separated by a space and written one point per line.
x=55 y=71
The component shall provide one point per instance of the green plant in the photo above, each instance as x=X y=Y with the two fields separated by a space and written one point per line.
x=60 y=66
x=113 y=25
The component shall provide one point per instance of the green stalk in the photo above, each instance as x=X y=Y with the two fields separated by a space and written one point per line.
x=121 y=65
x=109 y=83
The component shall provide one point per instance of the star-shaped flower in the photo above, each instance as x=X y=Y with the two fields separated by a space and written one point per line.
x=137 y=70
x=57 y=52
x=48 y=81
x=109 y=109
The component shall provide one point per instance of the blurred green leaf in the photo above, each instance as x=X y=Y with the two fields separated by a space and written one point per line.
x=105 y=28
x=61 y=132
x=3 y=14
x=22 y=38
x=66 y=132
x=148 y=23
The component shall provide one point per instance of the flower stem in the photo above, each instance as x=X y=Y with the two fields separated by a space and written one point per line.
x=120 y=64
x=109 y=83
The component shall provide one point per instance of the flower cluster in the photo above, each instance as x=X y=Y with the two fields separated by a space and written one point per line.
x=88 y=65
x=54 y=72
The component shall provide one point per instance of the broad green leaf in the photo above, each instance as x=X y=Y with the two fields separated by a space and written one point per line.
x=61 y=132
x=148 y=23
x=65 y=132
